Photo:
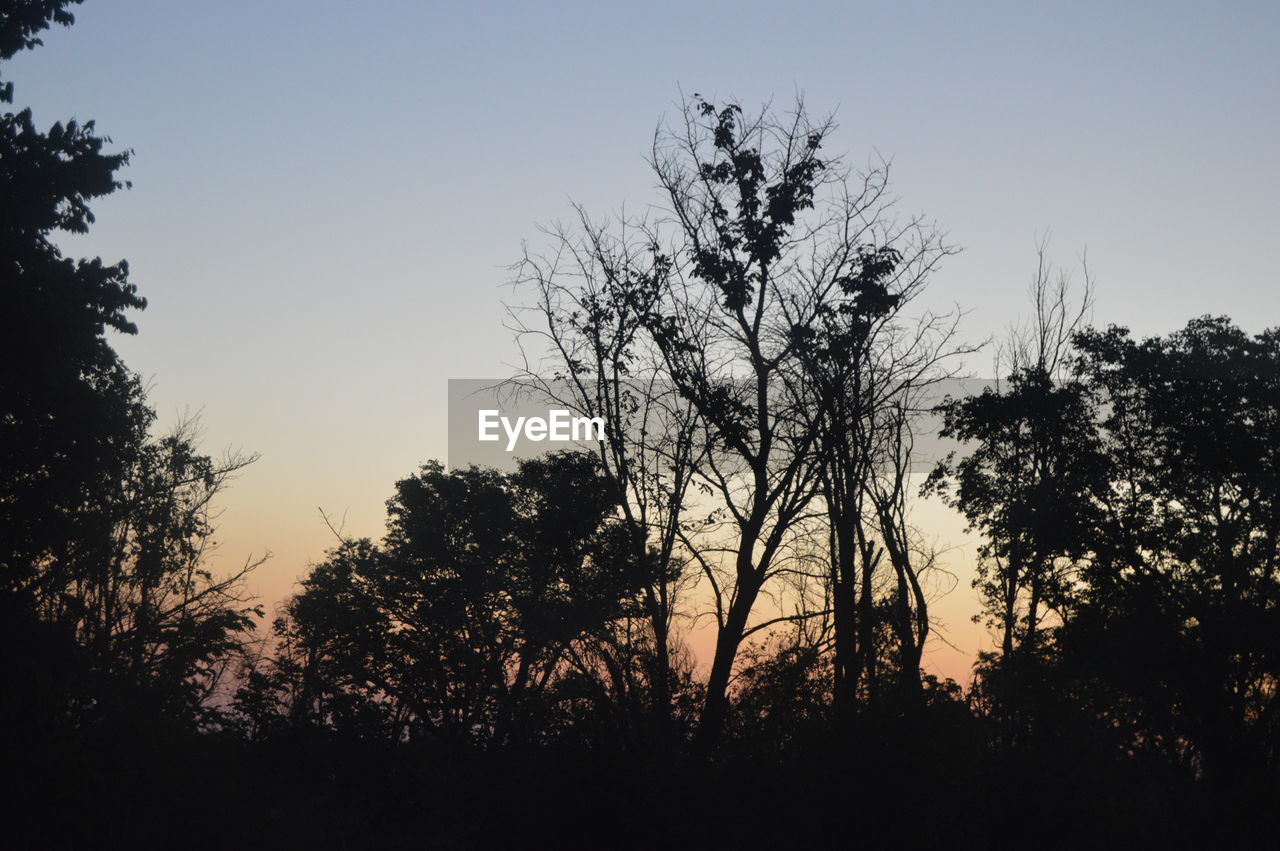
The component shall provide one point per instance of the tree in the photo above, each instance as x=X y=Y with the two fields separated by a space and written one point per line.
x=1182 y=594
x=1132 y=540
x=602 y=367
x=457 y=626
x=66 y=402
x=867 y=372
x=104 y=530
x=735 y=309
x=1029 y=480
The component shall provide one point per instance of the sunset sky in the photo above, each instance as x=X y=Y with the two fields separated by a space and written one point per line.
x=326 y=194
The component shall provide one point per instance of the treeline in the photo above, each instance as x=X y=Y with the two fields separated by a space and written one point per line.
x=510 y=662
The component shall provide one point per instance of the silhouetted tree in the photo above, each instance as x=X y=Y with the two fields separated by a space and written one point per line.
x=866 y=371
x=104 y=530
x=1178 y=616
x=1028 y=483
x=773 y=261
x=602 y=365
x=67 y=405
x=1133 y=498
x=458 y=625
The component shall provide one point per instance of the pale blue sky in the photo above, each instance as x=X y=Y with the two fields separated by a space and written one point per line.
x=325 y=193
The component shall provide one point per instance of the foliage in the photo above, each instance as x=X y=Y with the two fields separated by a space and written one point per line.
x=457 y=624
x=104 y=529
x=1137 y=501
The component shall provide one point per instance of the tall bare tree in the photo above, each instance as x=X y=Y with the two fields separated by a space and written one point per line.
x=765 y=257
x=585 y=330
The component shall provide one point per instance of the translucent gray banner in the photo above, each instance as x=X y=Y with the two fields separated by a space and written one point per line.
x=496 y=422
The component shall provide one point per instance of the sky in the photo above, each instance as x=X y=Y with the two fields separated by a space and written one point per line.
x=327 y=195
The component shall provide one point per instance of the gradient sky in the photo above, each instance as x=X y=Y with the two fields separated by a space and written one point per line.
x=326 y=193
